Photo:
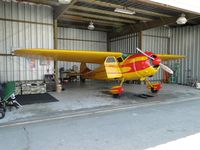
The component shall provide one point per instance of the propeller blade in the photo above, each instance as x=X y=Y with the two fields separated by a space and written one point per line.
x=144 y=53
x=164 y=67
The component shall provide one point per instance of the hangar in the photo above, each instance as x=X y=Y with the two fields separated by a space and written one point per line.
x=49 y=88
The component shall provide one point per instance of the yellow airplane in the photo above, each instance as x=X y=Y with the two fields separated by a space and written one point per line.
x=113 y=65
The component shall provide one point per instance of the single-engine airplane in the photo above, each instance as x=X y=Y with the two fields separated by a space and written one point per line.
x=113 y=65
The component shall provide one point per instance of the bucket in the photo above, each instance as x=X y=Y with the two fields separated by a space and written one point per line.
x=198 y=85
x=59 y=88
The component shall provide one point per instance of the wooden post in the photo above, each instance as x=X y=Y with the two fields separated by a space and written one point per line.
x=55 y=29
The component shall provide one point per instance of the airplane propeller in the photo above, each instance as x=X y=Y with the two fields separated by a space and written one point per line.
x=164 y=67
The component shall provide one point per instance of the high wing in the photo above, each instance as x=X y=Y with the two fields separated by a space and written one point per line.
x=167 y=57
x=97 y=57
x=67 y=55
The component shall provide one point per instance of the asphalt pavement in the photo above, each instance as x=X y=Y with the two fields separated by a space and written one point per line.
x=131 y=128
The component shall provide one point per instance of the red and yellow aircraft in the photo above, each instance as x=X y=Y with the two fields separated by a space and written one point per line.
x=113 y=65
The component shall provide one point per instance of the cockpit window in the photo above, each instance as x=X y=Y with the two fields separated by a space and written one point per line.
x=125 y=55
x=110 y=59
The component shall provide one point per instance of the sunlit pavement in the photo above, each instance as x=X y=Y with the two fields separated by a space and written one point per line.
x=188 y=143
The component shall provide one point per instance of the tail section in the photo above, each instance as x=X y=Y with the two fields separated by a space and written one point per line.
x=84 y=69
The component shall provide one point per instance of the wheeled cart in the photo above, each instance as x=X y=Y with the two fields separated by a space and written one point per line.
x=7 y=98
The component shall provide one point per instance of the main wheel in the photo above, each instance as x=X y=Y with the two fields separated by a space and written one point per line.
x=116 y=95
x=153 y=90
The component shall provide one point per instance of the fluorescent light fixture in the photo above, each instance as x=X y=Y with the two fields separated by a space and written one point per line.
x=181 y=19
x=91 y=26
x=124 y=11
x=64 y=1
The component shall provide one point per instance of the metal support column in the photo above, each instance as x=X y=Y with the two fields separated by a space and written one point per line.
x=55 y=29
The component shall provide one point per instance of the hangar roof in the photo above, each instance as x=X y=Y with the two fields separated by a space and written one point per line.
x=148 y=14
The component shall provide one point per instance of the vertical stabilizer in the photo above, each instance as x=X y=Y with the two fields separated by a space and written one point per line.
x=84 y=69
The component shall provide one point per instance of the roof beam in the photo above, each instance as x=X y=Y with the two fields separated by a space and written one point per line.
x=59 y=11
x=83 y=26
x=99 y=17
x=177 y=9
x=95 y=21
x=87 y=9
x=133 y=28
x=110 y=5
x=44 y=2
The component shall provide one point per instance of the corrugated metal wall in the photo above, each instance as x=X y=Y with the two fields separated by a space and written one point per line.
x=78 y=39
x=125 y=44
x=24 y=26
x=31 y=26
x=186 y=41
x=157 y=41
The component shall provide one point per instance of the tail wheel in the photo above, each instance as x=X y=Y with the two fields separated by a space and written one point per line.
x=82 y=79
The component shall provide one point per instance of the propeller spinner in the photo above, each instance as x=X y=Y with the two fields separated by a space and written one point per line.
x=157 y=61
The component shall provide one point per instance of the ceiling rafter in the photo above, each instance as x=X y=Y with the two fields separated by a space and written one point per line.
x=102 y=22
x=167 y=7
x=81 y=12
x=87 y=9
x=110 y=5
x=44 y=2
x=133 y=28
x=82 y=26
x=98 y=17
x=58 y=12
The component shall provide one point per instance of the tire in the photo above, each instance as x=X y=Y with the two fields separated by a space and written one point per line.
x=116 y=96
x=82 y=79
x=154 y=91
x=2 y=113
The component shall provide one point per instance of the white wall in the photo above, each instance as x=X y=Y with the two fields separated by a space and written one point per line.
x=31 y=26
x=155 y=40
x=186 y=41
x=125 y=44
x=24 y=26
x=78 y=39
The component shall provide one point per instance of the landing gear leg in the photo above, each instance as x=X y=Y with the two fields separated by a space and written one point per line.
x=155 y=87
x=117 y=90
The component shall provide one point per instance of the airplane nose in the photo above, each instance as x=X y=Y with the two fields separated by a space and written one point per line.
x=156 y=61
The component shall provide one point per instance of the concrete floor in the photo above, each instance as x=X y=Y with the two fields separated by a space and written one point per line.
x=92 y=95
x=139 y=127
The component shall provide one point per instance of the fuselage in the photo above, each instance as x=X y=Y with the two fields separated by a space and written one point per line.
x=133 y=67
x=138 y=66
